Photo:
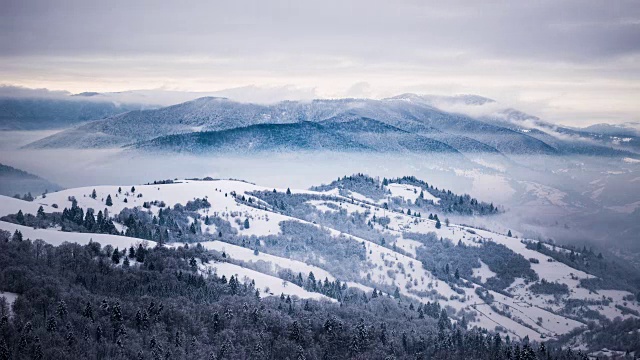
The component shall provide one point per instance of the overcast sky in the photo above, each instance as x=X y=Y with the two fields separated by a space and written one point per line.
x=572 y=62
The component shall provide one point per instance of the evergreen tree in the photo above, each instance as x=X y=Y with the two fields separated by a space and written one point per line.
x=109 y=202
x=20 y=217
x=438 y=225
x=509 y=233
x=52 y=324
x=396 y=293
x=246 y=223
x=94 y=195
x=140 y=253
x=41 y=213
x=115 y=257
x=88 y=311
x=17 y=236
x=99 y=334
x=61 y=310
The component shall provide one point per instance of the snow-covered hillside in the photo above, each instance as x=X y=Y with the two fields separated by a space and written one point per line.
x=251 y=224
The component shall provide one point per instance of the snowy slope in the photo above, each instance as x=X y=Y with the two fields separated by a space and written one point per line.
x=520 y=312
x=268 y=285
x=55 y=237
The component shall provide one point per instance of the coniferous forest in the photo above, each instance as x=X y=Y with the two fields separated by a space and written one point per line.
x=93 y=302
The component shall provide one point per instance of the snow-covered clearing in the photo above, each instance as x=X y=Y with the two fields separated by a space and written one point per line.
x=483 y=272
x=55 y=237
x=10 y=298
x=267 y=284
x=410 y=192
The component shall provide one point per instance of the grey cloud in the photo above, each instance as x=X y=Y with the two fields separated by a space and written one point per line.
x=574 y=30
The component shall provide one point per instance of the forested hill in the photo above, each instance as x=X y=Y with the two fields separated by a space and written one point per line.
x=365 y=278
x=78 y=303
x=407 y=194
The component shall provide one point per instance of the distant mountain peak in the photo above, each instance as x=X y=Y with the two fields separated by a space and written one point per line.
x=465 y=99
x=87 y=94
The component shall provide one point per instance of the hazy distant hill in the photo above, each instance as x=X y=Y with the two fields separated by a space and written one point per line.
x=15 y=181
x=42 y=113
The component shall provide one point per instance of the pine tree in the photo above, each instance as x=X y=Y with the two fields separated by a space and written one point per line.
x=133 y=189
x=94 y=195
x=509 y=234
x=246 y=223
x=20 y=217
x=140 y=253
x=37 y=352
x=99 y=334
x=52 y=324
x=109 y=202
x=396 y=293
x=88 y=311
x=438 y=225
x=17 y=236
x=288 y=191
x=295 y=332
x=115 y=257
x=61 y=311
x=41 y=213
x=178 y=339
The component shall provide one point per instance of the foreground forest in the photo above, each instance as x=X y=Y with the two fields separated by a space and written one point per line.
x=85 y=302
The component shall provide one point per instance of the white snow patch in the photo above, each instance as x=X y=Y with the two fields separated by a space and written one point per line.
x=267 y=284
x=483 y=272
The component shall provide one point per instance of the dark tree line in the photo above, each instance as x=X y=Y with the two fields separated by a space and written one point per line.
x=73 y=219
x=610 y=274
x=449 y=202
x=451 y=262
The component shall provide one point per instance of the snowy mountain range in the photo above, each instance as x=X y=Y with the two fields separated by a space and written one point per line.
x=403 y=123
